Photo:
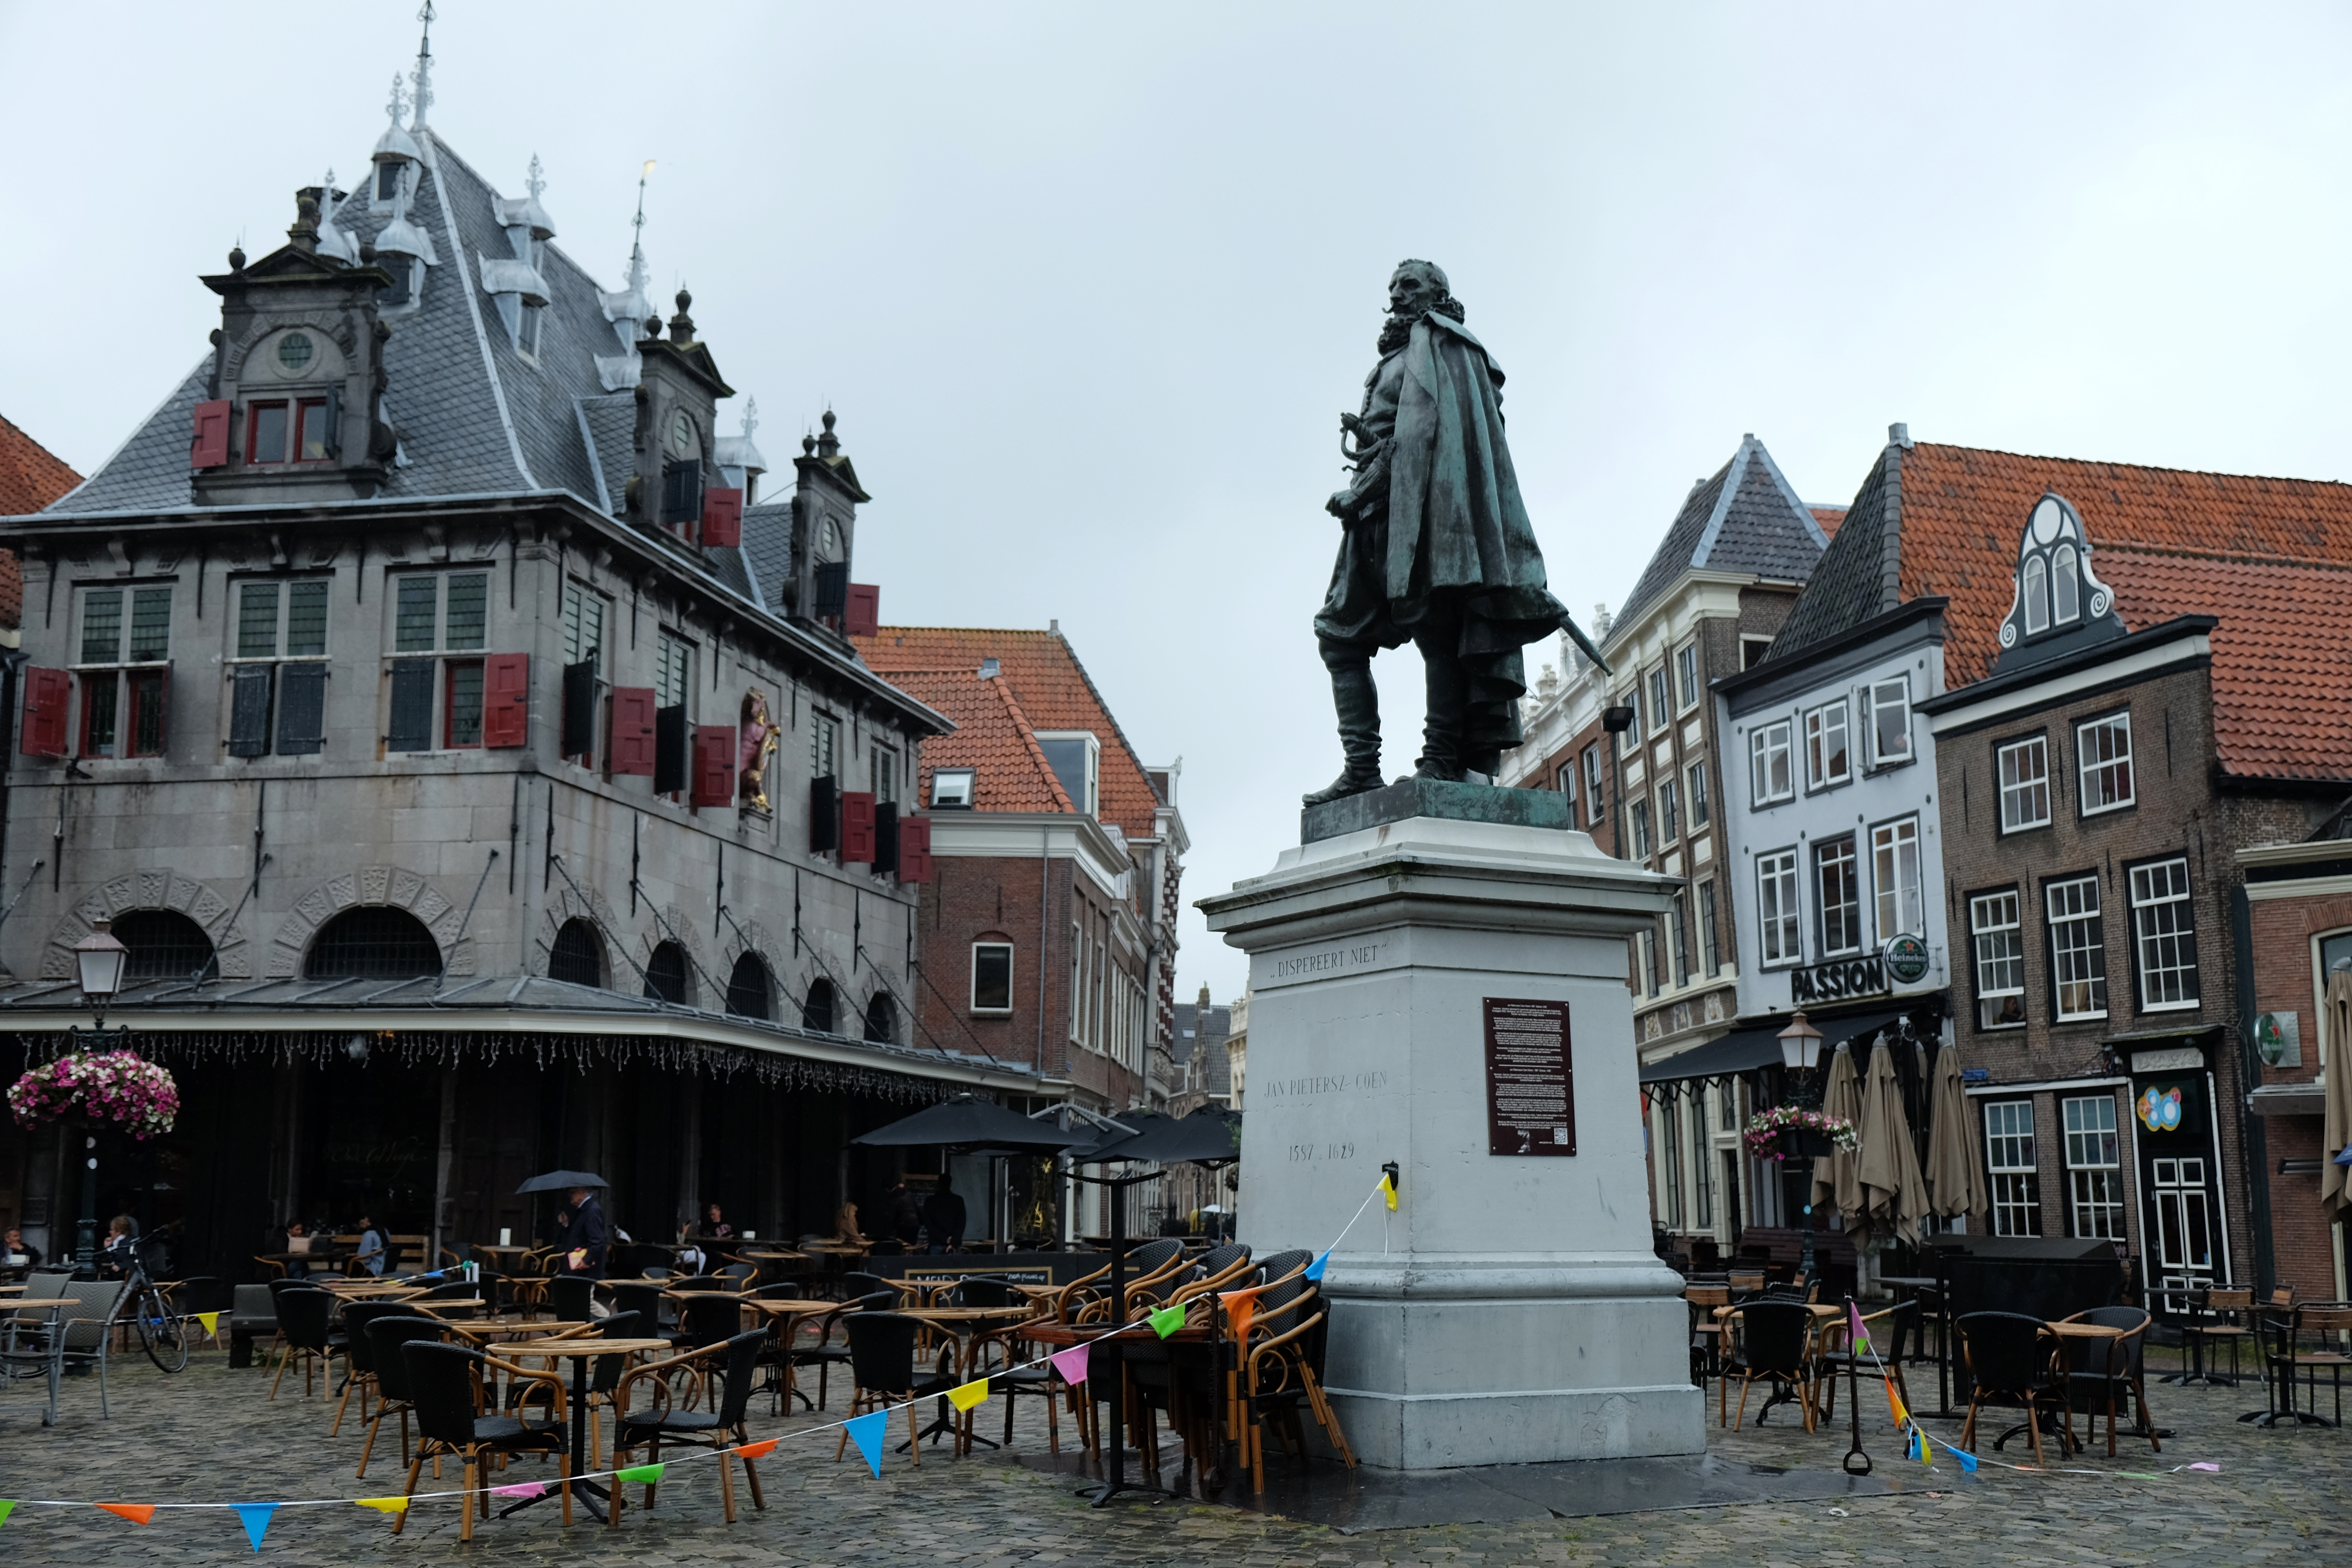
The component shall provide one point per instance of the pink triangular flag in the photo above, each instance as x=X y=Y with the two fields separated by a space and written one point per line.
x=1071 y=1364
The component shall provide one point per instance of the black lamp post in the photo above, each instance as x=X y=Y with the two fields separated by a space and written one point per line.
x=1801 y=1052
x=99 y=960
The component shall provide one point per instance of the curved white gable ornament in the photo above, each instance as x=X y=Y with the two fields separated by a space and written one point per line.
x=2057 y=601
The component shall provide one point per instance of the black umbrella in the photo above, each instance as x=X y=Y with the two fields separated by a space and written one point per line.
x=968 y=1122
x=561 y=1182
x=1131 y=1124
x=1208 y=1137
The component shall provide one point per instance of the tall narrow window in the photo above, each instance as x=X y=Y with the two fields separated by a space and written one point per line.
x=1709 y=944
x=1767 y=757
x=2078 y=951
x=2025 y=768
x=1895 y=873
x=1840 y=896
x=1678 y=940
x=883 y=770
x=1686 y=674
x=1640 y=813
x=1593 y=806
x=437 y=700
x=1887 y=720
x=124 y=670
x=2103 y=751
x=281 y=645
x=2037 y=595
x=1778 y=937
x=1701 y=1189
x=1662 y=701
x=2164 y=936
x=2094 y=1177
x=1697 y=775
x=2009 y=1163
x=1565 y=782
x=991 y=977
x=1825 y=746
x=2065 y=587
x=1670 y=1167
x=674 y=674
x=584 y=624
x=1649 y=944
x=1632 y=703
x=1999 y=941
x=1670 y=814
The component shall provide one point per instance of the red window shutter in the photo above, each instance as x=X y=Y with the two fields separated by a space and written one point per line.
x=505 y=698
x=714 y=765
x=632 y=747
x=915 y=849
x=722 y=517
x=45 y=712
x=857 y=828
x=862 y=616
x=211 y=448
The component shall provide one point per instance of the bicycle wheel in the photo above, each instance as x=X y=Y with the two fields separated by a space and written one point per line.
x=163 y=1330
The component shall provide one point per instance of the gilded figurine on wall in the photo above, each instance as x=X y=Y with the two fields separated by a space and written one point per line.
x=758 y=744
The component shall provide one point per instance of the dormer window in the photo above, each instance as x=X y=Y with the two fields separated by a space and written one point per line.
x=2056 y=591
x=287 y=430
x=387 y=180
x=1075 y=755
x=952 y=789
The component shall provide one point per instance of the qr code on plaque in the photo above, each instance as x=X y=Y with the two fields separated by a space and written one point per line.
x=1559 y=1134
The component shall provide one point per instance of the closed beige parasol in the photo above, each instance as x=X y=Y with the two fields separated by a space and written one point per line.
x=1894 y=1196
x=1956 y=1178
x=2335 y=1180
x=1837 y=1178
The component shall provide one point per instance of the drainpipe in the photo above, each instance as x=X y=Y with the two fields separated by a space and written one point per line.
x=2251 y=1142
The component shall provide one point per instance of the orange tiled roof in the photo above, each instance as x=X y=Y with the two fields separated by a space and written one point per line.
x=993 y=737
x=1829 y=517
x=1045 y=684
x=31 y=477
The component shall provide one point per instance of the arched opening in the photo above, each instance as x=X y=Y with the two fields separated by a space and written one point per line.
x=164 y=945
x=372 y=942
x=748 y=992
x=882 y=1020
x=666 y=975
x=817 y=1013
x=2065 y=592
x=2037 y=595
x=577 y=955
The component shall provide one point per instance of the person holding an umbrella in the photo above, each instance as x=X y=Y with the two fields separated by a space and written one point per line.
x=585 y=1231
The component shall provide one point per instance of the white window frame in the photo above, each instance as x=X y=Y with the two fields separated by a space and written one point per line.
x=1841 y=853
x=1632 y=704
x=674 y=677
x=2096 y=799
x=1695 y=795
x=1997 y=943
x=951 y=788
x=579 y=598
x=446 y=655
x=1768 y=746
x=1876 y=698
x=1780 y=928
x=1565 y=782
x=1646 y=941
x=114 y=671
x=1593 y=805
x=1686 y=683
x=1010 y=969
x=2013 y=1175
x=882 y=772
x=2094 y=1176
x=2164 y=924
x=1898 y=877
x=2075 y=964
x=1638 y=814
x=1670 y=811
x=1830 y=720
x=2023 y=792
x=1661 y=687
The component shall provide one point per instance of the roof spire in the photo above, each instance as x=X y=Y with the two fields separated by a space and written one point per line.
x=423 y=75
x=533 y=182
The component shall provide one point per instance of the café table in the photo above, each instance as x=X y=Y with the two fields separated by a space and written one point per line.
x=970 y=1326
x=578 y=1351
x=53 y=1354
x=2113 y=1336
x=1197 y=1339
x=434 y=1309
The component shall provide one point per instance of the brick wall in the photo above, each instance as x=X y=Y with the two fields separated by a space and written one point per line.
x=2284 y=964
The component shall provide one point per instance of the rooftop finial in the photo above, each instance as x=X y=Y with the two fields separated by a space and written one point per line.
x=750 y=417
x=423 y=75
x=532 y=183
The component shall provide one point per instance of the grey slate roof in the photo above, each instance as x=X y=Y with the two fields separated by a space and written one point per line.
x=1199 y=1047
x=768 y=548
x=1856 y=579
x=1745 y=518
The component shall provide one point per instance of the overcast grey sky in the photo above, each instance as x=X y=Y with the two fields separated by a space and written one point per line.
x=1089 y=286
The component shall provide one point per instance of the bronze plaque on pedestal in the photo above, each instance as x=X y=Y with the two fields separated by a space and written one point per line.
x=1530 y=1088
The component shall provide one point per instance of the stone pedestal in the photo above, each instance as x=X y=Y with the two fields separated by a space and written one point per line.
x=1511 y=1310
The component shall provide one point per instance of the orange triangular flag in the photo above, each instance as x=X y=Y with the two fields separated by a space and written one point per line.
x=757 y=1450
x=1240 y=1307
x=136 y=1512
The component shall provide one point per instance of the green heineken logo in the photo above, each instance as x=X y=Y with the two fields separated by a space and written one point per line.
x=1907 y=960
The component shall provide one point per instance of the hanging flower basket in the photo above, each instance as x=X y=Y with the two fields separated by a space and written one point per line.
x=122 y=1089
x=1787 y=1129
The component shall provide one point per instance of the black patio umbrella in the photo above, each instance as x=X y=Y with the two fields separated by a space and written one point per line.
x=969 y=1122
x=1208 y=1137
x=561 y=1182
x=1132 y=1124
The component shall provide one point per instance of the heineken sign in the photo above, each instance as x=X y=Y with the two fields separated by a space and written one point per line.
x=1903 y=961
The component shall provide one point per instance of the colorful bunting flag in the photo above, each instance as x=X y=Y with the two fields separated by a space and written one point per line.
x=2202 y=1464
x=257 y=1519
x=964 y=1395
x=211 y=1321
x=7 y=1506
x=1861 y=1334
x=1894 y=1405
x=1071 y=1364
x=1240 y=1307
x=757 y=1450
x=521 y=1490
x=1388 y=1192
x=1927 y=1450
x=384 y=1504
x=868 y=1431
x=644 y=1475
x=136 y=1512
x=1164 y=1323
x=1314 y=1269
x=1968 y=1461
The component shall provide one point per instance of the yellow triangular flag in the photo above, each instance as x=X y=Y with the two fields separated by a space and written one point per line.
x=965 y=1395
x=211 y=1321
x=1388 y=1192
x=384 y=1504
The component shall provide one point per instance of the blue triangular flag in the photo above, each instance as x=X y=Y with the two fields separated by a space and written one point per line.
x=1314 y=1269
x=257 y=1519
x=1968 y=1461
x=868 y=1431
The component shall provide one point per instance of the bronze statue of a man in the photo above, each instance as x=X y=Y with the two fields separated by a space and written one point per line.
x=1435 y=547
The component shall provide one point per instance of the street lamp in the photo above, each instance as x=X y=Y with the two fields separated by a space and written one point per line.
x=99 y=960
x=1800 y=1053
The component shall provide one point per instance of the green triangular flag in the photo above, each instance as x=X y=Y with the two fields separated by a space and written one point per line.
x=647 y=1474
x=7 y=1506
x=1167 y=1320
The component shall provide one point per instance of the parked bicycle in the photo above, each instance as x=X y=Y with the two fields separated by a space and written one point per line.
x=148 y=1310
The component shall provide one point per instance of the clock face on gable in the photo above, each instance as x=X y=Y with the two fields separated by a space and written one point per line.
x=682 y=442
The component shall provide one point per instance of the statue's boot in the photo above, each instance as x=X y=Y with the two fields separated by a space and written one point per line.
x=1448 y=713
x=1359 y=702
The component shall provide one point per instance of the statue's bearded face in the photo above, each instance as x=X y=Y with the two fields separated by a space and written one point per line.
x=1412 y=290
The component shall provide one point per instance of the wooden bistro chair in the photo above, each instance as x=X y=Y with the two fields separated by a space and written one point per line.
x=727 y=1368
x=2100 y=1370
x=305 y=1318
x=2215 y=1318
x=882 y=1367
x=2317 y=1338
x=388 y=1337
x=1705 y=1330
x=445 y=1382
x=1773 y=1341
x=359 y=1354
x=825 y=1354
x=1281 y=1368
x=2013 y=1360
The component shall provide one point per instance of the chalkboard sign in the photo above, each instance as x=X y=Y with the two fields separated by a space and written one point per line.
x=1530 y=1092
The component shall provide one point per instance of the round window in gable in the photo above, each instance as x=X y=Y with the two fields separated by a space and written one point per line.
x=294 y=353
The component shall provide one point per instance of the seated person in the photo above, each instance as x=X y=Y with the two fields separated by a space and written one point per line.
x=16 y=1252
x=119 y=1252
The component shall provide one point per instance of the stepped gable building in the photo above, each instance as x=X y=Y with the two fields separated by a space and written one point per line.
x=467 y=782
x=2141 y=754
